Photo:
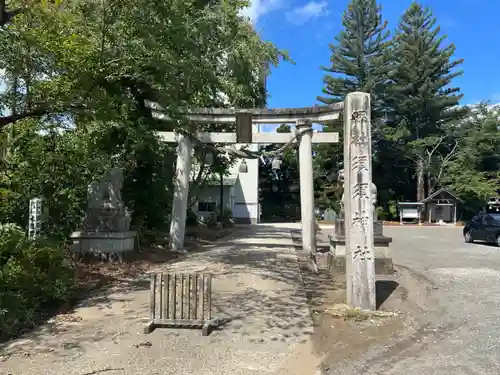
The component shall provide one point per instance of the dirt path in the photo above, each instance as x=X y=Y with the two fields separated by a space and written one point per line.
x=256 y=283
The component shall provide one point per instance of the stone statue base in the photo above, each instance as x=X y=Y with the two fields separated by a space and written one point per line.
x=103 y=243
x=106 y=226
x=378 y=228
x=336 y=257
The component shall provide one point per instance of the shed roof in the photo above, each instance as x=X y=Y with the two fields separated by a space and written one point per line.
x=437 y=192
x=410 y=203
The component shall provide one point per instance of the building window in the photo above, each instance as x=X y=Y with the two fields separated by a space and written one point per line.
x=207 y=206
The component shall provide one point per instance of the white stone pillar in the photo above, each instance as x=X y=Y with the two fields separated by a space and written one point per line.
x=306 y=187
x=360 y=258
x=181 y=192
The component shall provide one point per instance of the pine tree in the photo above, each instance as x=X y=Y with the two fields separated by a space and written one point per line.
x=360 y=57
x=360 y=61
x=421 y=95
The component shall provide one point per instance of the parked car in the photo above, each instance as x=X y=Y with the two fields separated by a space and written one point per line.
x=483 y=227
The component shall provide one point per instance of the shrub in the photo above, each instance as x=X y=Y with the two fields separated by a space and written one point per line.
x=211 y=221
x=33 y=277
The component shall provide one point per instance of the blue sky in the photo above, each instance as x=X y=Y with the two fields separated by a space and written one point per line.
x=305 y=28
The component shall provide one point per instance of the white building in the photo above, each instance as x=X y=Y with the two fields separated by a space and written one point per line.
x=240 y=192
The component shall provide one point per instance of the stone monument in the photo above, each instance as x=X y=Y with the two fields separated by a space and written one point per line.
x=35 y=218
x=106 y=226
x=358 y=248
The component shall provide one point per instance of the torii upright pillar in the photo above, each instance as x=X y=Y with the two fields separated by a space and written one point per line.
x=304 y=127
x=181 y=192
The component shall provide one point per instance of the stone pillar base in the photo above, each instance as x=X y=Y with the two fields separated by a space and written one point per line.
x=336 y=257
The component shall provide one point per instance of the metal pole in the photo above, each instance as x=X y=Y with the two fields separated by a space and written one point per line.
x=221 y=196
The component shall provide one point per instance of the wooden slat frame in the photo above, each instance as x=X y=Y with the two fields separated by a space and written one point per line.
x=180 y=300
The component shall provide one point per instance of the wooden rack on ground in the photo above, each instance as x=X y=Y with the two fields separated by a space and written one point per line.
x=181 y=301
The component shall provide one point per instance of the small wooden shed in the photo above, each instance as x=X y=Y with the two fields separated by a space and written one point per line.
x=441 y=207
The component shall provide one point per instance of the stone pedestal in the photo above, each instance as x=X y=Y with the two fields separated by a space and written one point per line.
x=336 y=258
x=103 y=243
x=340 y=229
x=106 y=226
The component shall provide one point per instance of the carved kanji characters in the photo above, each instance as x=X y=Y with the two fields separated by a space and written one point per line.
x=359 y=163
x=363 y=252
x=361 y=220
x=360 y=190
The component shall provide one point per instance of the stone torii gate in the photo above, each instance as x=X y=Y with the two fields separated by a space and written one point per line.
x=358 y=205
x=244 y=119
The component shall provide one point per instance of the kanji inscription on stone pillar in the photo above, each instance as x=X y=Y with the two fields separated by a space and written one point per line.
x=358 y=205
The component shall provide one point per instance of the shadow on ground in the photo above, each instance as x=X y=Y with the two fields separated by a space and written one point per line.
x=383 y=290
x=98 y=282
x=257 y=288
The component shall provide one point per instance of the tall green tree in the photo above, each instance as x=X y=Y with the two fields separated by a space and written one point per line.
x=95 y=65
x=108 y=58
x=360 y=61
x=422 y=95
x=360 y=55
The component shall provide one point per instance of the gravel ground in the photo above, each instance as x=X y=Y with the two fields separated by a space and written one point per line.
x=458 y=333
x=454 y=330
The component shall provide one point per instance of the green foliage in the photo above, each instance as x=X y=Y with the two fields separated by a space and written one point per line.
x=99 y=64
x=473 y=172
x=106 y=59
x=421 y=137
x=279 y=198
x=422 y=96
x=393 y=208
x=421 y=77
x=55 y=166
x=326 y=164
x=32 y=277
x=360 y=58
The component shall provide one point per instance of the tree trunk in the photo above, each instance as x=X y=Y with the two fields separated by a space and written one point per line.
x=420 y=179
x=430 y=188
x=5 y=152
x=6 y=16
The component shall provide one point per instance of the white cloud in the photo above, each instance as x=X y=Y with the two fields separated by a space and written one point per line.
x=313 y=9
x=259 y=8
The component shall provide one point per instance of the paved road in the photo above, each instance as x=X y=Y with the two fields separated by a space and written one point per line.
x=460 y=335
